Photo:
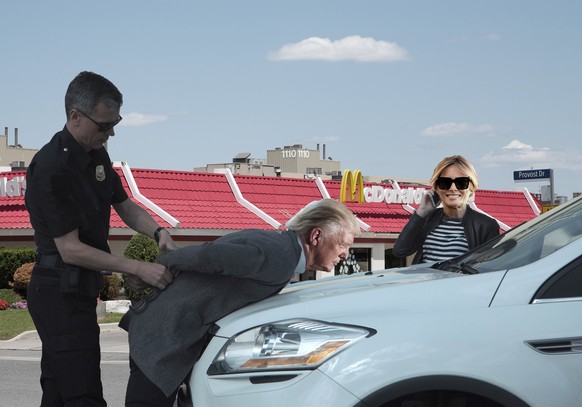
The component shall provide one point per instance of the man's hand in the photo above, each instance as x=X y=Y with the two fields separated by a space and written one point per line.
x=166 y=242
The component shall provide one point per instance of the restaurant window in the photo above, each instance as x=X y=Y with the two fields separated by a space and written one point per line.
x=360 y=260
x=391 y=261
x=314 y=171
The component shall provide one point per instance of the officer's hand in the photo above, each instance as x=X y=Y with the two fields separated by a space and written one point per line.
x=155 y=275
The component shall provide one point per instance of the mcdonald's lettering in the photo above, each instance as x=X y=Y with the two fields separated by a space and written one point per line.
x=353 y=182
x=13 y=187
x=377 y=193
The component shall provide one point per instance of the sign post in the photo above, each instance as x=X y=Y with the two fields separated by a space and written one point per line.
x=536 y=175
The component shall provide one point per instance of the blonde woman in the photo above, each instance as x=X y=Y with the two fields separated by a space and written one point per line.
x=444 y=226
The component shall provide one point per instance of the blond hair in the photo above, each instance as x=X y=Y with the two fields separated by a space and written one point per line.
x=327 y=214
x=462 y=164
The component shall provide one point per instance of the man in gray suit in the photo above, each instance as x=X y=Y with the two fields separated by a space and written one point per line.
x=214 y=279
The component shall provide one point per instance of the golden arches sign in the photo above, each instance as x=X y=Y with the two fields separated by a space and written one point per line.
x=350 y=182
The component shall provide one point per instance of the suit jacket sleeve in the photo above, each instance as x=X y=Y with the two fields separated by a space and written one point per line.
x=252 y=254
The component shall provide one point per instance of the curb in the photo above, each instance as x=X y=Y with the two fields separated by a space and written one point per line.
x=23 y=335
x=109 y=327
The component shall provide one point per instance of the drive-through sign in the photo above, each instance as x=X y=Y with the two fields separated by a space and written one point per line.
x=532 y=175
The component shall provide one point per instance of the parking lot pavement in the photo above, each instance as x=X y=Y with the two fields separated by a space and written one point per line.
x=20 y=367
x=113 y=341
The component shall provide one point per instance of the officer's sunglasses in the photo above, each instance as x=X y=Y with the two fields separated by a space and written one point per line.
x=102 y=126
x=446 y=182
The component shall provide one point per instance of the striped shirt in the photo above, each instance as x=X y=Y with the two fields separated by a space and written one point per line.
x=445 y=242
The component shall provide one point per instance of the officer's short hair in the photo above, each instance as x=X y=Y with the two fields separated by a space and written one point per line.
x=88 y=89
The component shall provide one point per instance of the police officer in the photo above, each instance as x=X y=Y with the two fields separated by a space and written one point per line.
x=71 y=187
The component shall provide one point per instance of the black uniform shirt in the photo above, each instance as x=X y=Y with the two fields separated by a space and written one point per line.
x=68 y=188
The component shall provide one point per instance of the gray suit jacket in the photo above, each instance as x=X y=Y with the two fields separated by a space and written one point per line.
x=215 y=279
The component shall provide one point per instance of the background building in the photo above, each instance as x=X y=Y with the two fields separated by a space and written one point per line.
x=295 y=161
x=14 y=156
x=290 y=161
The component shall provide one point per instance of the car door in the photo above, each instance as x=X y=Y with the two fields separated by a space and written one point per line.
x=538 y=310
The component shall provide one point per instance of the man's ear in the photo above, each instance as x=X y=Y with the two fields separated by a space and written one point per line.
x=74 y=117
x=315 y=235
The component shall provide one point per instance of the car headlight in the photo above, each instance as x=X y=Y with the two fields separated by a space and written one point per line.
x=285 y=345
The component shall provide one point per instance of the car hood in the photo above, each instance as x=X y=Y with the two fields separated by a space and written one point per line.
x=347 y=298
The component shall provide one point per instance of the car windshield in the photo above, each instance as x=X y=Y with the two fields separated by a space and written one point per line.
x=523 y=244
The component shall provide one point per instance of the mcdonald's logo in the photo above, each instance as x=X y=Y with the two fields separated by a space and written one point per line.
x=350 y=182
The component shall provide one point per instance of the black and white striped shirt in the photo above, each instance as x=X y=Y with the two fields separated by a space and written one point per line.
x=445 y=242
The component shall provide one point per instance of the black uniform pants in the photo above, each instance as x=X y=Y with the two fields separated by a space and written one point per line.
x=141 y=392
x=67 y=326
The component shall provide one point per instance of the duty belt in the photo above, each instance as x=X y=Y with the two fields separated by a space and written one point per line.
x=49 y=260
x=53 y=261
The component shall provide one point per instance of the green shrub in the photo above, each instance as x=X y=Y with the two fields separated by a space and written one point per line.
x=12 y=259
x=21 y=278
x=112 y=284
x=141 y=248
x=9 y=296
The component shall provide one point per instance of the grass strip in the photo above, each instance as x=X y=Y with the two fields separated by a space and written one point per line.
x=15 y=321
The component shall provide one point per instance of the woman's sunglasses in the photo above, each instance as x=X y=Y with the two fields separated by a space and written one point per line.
x=446 y=182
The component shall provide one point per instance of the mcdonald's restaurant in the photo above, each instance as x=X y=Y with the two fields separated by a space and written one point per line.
x=201 y=206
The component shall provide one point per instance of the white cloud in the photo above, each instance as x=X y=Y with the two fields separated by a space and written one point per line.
x=354 y=48
x=453 y=129
x=517 y=145
x=135 y=119
x=525 y=156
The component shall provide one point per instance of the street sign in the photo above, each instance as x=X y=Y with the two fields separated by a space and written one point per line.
x=532 y=175
x=536 y=175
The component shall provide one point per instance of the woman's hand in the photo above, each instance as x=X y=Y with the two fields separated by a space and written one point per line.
x=427 y=203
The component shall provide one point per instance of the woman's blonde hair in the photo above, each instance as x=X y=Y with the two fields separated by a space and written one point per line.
x=462 y=164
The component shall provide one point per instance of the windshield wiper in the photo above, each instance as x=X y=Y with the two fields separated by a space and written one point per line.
x=449 y=265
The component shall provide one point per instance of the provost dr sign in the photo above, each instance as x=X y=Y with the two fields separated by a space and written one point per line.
x=531 y=175
x=352 y=183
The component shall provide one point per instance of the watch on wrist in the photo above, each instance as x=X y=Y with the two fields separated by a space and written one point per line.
x=157 y=234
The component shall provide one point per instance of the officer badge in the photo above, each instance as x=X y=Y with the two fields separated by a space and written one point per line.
x=100 y=173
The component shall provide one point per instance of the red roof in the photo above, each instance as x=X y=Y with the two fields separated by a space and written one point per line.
x=200 y=200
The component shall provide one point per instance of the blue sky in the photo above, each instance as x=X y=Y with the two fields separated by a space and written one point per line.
x=390 y=87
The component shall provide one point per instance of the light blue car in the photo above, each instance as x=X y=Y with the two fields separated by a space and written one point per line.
x=499 y=326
